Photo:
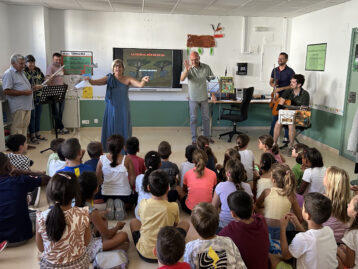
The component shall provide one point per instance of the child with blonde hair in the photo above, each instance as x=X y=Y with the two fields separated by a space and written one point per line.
x=280 y=199
x=347 y=253
x=198 y=184
x=336 y=183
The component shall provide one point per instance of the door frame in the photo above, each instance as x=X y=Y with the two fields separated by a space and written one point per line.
x=344 y=129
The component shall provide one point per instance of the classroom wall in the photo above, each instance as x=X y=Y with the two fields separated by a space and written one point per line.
x=333 y=26
x=4 y=35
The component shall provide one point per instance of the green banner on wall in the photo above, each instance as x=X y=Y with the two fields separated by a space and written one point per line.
x=77 y=62
x=316 y=57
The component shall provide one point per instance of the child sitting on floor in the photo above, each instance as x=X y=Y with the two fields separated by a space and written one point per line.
x=63 y=231
x=188 y=164
x=265 y=167
x=170 y=248
x=247 y=156
x=94 y=150
x=210 y=250
x=266 y=144
x=18 y=146
x=230 y=153
x=203 y=144
x=155 y=213
x=298 y=169
x=102 y=238
x=249 y=232
x=132 y=148
x=54 y=162
x=314 y=248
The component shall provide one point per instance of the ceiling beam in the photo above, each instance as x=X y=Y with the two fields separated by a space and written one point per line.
x=110 y=4
x=175 y=6
x=143 y=2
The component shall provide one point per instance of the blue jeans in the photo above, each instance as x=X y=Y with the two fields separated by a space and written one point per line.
x=273 y=123
x=57 y=111
x=34 y=126
x=204 y=108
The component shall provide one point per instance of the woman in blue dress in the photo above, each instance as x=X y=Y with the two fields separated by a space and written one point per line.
x=117 y=119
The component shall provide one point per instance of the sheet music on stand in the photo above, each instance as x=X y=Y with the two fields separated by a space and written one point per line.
x=53 y=94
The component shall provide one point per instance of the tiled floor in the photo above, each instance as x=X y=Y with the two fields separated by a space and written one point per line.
x=26 y=256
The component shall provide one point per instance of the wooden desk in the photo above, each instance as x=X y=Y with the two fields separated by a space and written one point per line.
x=219 y=102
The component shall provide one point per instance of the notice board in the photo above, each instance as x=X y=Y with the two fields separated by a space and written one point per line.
x=316 y=57
x=77 y=62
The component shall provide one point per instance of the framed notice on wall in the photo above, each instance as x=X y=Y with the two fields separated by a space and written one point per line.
x=77 y=62
x=316 y=57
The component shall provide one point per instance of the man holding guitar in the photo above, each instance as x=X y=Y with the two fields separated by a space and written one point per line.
x=280 y=81
x=298 y=97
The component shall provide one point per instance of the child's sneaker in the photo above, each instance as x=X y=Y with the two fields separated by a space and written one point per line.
x=3 y=245
x=119 y=212
x=35 y=197
x=110 y=209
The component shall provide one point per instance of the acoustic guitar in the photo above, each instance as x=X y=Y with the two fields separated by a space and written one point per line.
x=275 y=110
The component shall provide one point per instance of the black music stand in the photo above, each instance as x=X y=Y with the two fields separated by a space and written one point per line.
x=52 y=95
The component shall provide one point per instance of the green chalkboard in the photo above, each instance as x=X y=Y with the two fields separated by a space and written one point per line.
x=77 y=62
x=316 y=57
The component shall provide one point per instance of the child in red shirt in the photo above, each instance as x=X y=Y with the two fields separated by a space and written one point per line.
x=132 y=147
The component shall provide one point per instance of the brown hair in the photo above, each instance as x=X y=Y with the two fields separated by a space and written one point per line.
x=205 y=219
x=203 y=143
x=94 y=149
x=116 y=62
x=267 y=140
x=164 y=150
x=285 y=179
x=237 y=173
x=242 y=140
x=200 y=159
x=170 y=245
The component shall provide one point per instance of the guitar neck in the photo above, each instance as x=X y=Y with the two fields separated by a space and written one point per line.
x=297 y=107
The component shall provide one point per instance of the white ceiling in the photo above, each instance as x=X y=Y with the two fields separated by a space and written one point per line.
x=255 y=8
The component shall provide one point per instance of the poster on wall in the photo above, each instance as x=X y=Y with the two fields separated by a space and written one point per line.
x=316 y=57
x=77 y=62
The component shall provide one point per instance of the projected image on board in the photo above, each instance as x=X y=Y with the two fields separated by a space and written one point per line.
x=155 y=63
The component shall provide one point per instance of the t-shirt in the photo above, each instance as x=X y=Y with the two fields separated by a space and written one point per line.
x=350 y=239
x=197 y=82
x=199 y=189
x=154 y=214
x=263 y=184
x=92 y=163
x=54 y=164
x=314 y=176
x=71 y=246
x=219 y=252
x=138 y=164
x=338 y=227
x=302 y=99
x=252 y=241
x=77 y=170
x=172 y=170
x=315 y=249
x=223 y=190
x=15 y=223
x=247 y=159
x=183 y=168
x=284 y=76
x=141 y=193
x=58 y=79
x=19 y=161
x=297 y=171
x=178 y=265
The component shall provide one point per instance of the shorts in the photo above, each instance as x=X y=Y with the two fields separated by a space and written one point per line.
x=127 y=199
x=81 y=263
x=283 y=265
x=94 y=247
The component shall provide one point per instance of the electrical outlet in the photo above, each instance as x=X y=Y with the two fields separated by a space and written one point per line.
x=95 y=121
x=85 y=122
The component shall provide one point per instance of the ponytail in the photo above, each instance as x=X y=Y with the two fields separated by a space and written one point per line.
x=152 y=162
x=115 y=145
x=203 y=144
x=200 y=159
x=285 y=179
x=61 y=190
x=275 y=149
x=267 y=161
x=267 y=140
x=242 y=141
x=237 y=173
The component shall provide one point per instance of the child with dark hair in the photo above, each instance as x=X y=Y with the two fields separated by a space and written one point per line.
x=63 y=231
x=94 y=150
x=266 y=163
x=312 y=179
x=348 y=251
x=17 y=145
x=132 y=148
x=230 y=153
x=73 y=153
x=314 y=248
x=236 y=177
x=117 y=174
x=102 y=238
x=247 y=156
x=54 y=163
x=210 y=250
x=152 y=163
x=198 y=184
x=155 y=213
x=298 y=169
x=249 y=232
x=279 y=199
x=165 y=150
x=203 y=144
x=266 y=144
x=170 y=248
x=188 y=164
x=17 y=221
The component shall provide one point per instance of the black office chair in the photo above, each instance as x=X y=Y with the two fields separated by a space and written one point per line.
x=235 y=115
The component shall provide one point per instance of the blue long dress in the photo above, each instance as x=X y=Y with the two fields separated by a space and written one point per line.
x=117 y=118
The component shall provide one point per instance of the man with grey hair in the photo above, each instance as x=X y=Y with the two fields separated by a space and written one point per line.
x=19 y=94
x=197 y=73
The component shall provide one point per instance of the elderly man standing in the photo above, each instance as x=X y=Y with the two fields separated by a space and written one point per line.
x=19 y=94
x=197 y=74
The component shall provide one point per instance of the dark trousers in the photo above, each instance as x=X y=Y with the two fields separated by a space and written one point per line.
x=34 y=126
x=57 y=112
